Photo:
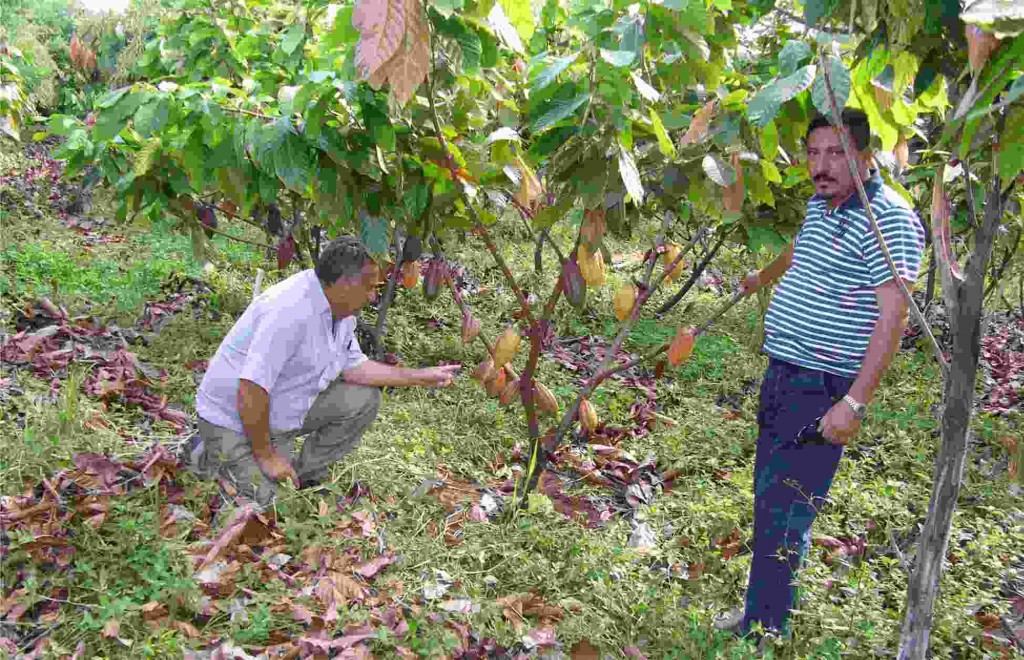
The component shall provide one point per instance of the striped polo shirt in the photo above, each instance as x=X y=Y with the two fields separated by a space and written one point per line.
x=824 y=309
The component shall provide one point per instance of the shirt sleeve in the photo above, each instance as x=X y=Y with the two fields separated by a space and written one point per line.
x=904 y=236
x=351 y=352
x=275 y=339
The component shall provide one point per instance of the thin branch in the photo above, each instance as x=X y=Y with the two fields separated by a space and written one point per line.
x=697 y=270
x=836 y=118
x=226 y=235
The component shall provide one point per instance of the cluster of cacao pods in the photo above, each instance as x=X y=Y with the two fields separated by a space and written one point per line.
x=82 y=56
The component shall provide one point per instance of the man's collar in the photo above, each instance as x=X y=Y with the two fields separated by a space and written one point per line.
x=318 y=297
x=871 y=186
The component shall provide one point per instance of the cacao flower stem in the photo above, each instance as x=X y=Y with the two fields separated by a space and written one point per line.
x=480 y=228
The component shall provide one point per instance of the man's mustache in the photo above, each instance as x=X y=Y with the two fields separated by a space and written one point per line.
x=821 y=178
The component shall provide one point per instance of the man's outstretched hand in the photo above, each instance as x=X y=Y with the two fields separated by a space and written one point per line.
x=437 y=376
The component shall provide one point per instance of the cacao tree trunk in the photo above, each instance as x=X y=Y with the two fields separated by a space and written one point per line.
x=964 y=305
x=381 y=329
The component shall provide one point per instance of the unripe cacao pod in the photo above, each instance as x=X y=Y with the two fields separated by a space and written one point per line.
x=506 y=347
x=510 y=393
x=470 y=328
x=624 y=302
x=545 y=399
x=433 y=278
x=588 y=416
x=483 y=371
x=410 y=274
x=496 y=383
x=573 y=285
x=668 y=257
x=681 y=347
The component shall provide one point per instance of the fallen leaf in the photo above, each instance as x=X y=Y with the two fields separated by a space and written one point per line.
x=584 y=650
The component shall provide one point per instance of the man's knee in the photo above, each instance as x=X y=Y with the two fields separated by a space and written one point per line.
x=363 y=401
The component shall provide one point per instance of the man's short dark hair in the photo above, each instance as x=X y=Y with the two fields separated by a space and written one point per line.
x=853 y=119
x=345 y=257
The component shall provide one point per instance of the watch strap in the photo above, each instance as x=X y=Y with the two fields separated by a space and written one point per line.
x=859 y=409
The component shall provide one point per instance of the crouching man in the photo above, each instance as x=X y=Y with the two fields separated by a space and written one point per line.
x=291 y=366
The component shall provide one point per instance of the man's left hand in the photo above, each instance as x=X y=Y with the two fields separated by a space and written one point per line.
x=840 y=425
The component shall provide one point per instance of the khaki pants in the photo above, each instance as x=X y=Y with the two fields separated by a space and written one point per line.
x=333 y=427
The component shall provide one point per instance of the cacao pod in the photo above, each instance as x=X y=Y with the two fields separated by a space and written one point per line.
x=470 y=328
x=496 y=383
x=545 y=399
x=593 y=227
x=413 y=249
x=669 y=256
x=588 y=416
x=285 y=252
x=207 y=216
x=681 y=347
x=624 y=302
x=509 y=394
x=591 y=266
x=573 y=285
x=410 y=274
x=433 y=278
x=274 y=219
x=483 y=371
x=506 y=347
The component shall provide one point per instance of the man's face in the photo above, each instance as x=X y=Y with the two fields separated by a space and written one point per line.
x=828 y=167
x=348 y=295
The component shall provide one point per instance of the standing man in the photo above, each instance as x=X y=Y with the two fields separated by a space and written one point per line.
x=831 y=331
x=291 y=366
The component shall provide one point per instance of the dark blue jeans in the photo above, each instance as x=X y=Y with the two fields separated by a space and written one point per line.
x=790 y=485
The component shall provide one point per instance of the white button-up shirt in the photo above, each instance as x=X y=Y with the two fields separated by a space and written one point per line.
x=287 y=343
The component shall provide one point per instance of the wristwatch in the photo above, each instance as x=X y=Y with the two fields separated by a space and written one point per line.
x=860 y=410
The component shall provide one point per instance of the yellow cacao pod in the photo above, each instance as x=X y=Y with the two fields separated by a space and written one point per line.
x=545 y=399
x=591 y=266
x=588 y=416
x=668 y=257
x=624 y=302
x=506 y=347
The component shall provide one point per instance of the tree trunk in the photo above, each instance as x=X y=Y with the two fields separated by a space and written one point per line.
x=389 y=296
x=964 y=309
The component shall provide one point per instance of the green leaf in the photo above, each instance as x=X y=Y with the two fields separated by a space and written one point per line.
x=759 y=238
x=763 y=107
x=111 y=97
x=548 y=75
x=342 y=32
x=618 y=57
x=558 y=111
x=665 y=145
x=292 y=38
x=373 y=232
x=520 y=14
x=630 y=175
x=1011 y=146
x=718 y=171
x=771 y=173
x=62 y=124
x=446 y=7
x=815 y=10
x=151 y=117
x=841 y=84
x=770 y=141
x=793 y=53
x=416 y=200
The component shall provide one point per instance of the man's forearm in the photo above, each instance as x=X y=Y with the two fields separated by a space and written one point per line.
x=378 y=374
x=882 y=347
x=254 y=409
x=776 y=268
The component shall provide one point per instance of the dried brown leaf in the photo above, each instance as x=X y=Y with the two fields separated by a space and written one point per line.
x=699 y=126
